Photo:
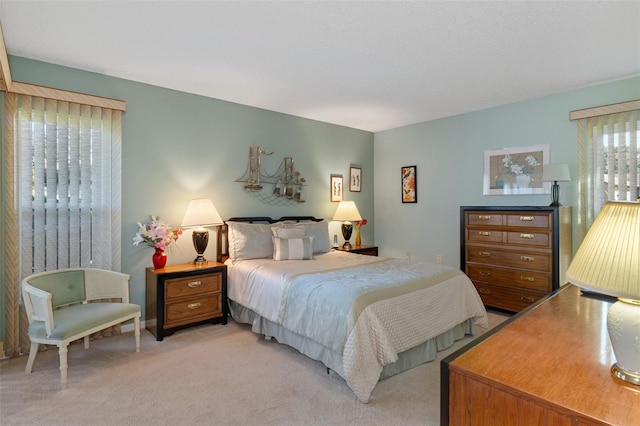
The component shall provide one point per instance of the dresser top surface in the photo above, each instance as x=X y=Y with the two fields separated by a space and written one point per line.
x=558 y=353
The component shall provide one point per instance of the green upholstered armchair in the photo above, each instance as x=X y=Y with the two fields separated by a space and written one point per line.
x=59 y=312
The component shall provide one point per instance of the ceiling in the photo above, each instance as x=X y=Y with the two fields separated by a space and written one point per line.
x=362 y=64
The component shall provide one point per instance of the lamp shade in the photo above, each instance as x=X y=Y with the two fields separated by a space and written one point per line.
x=608 y=260
x=556 y=173
x=347 y=212
x=201 y=212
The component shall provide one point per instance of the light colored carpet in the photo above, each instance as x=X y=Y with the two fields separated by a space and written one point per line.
x=212 y=374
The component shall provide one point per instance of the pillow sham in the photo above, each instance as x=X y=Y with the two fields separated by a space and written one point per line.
x=320 y=233
x=249 y=240
x=289 y=232
x=293 y=248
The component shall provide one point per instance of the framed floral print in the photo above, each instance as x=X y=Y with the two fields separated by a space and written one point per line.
x=355 y=179
x=515 y=171
x=409 y=184
x=336 y=188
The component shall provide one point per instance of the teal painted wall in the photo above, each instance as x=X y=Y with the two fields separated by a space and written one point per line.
x=179 y=146
x=449 y=154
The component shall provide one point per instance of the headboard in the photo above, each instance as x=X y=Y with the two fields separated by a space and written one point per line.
x=222 y=243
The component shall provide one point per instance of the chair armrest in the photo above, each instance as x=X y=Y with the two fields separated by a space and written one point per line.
x=103 y=284
x=37 y=304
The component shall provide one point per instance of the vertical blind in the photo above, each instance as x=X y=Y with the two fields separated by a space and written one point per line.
x=608 y=162
x=69 y=185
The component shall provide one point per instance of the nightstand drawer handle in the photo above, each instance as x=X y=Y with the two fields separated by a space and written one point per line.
x=484 y=291
x=526 y=218
x=485 y=273
x=484 y=217
x=527 y=236
x=484 y=253
x=484 y=233
x=523 y=278
x=527 y=258
x=194 y=284
x=194 y=305
x=527 y=299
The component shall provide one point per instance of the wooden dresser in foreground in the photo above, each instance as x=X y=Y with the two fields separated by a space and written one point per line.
x=548 y=365
x=515 y=255
x=180 y=296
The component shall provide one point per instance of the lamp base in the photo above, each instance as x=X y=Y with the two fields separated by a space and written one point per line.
x=555 y=195
x=347 y=229
x=624 y=333
x=347 y=245
x=200 y=241
x=625 y=375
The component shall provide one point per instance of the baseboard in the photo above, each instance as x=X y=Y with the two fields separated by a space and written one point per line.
x=125 y=328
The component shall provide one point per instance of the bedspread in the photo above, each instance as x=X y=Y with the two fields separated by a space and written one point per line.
x=370 y=312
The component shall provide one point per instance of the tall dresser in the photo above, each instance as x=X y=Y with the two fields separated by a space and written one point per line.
x=515 y=255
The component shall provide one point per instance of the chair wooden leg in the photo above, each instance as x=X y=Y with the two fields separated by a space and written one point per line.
x=136 y=328
x=32 y=357
x=63 y=365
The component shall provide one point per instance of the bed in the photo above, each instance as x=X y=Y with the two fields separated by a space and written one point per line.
x=366 y=318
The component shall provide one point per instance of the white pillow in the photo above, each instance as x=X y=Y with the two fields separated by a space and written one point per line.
x=249 y=240
x=290 y=232
x=293 y=248
x=320 y=233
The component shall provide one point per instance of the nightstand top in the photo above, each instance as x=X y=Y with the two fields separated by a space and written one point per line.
x=186 y=267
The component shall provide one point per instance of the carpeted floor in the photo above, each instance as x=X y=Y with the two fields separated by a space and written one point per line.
x=208 y=375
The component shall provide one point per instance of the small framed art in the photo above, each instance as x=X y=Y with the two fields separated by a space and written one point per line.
x=515 y=171
x=355 y=179
x=336 y=188
x=409 y=184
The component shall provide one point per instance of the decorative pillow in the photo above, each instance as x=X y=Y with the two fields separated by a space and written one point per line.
x=289 y=232
x=249 y=240
x=292 y=248
x=320 y=233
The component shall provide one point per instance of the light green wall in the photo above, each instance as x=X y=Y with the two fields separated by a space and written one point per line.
x=449 y=154
x=178 y=146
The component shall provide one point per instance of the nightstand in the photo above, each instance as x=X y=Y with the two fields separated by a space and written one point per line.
x=180 y=296
x=366 y=250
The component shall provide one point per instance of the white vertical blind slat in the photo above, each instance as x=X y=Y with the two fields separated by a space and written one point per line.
x=74 y=185
x=85 y=186
x=51 y=184
x=63 y=184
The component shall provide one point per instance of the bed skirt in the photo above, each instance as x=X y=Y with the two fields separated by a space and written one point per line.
x=406 y=360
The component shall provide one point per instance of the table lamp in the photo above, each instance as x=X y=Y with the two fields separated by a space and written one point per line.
x=608 y=262
x=347 y=212
x=200 y=213
x=555 y=173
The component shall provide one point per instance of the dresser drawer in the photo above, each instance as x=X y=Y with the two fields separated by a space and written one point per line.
x=530 y=238
x=191 y=286
x=514 y=258
x=511 y=299
x=195 y=309
x=484 y=236
x=510 y=277
x=529 y=220
x=484 y=218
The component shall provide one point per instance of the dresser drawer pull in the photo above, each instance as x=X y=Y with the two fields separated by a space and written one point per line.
x=527 y=236
x=527 y=258
x=485 y=273
x=524 y=278
x=484 y=291
x=484 y=233
x=194 y=305
x=484 y=217
x=526 y=218
x=484 y=253
x=527 y=299
x=194 y=284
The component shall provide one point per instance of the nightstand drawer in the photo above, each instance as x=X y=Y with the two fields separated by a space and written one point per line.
x=191 y=286
x=196 y=309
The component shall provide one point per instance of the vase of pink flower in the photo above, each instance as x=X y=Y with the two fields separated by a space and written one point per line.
x=358 y=225
x=158 y=235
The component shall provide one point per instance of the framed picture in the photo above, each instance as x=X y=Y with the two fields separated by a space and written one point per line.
x=336 y=188
x=355 y=179
x=409 y=184
x=515 y=171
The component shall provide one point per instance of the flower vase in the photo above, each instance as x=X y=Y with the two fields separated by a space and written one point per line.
x=159 y=259
x=358 y=240
x=523 y=181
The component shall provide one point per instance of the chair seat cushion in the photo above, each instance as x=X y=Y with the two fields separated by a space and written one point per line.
x=77 y=319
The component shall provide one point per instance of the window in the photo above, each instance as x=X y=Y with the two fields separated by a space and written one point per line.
x=608 y=158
